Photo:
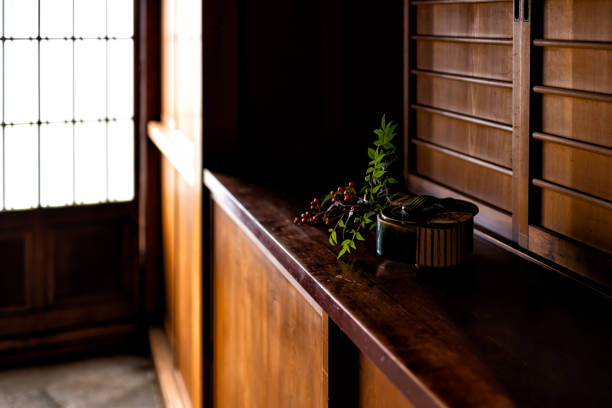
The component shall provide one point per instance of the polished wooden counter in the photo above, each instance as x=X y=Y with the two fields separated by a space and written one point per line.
x=500 y=331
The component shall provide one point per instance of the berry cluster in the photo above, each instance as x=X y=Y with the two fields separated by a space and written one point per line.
x=343 y=201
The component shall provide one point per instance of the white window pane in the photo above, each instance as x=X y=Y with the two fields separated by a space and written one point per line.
x=90 y=18
x=90 y=79
x=121 y=79
x=21 y=81
x=20 y=18
x=56 y=183
x=55 y=80
x=121 y=160
x=21 y=155
x=56 y=18
x=90 y=162
x=120 y=18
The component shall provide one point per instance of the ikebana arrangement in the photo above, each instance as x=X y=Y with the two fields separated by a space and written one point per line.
x=350 y=211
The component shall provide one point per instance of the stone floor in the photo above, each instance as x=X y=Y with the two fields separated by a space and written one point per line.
x=116 y=382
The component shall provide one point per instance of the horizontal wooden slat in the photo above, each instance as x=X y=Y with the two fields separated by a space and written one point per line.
x=488 y=217
x=462 y=156
x=583 y=20
x=581 y=119
x=577 y=217
x=463 y=40
x=595 y=96
x=467 y=97
x=573 y=193
x=465 y=118
x=489 y=143
x=464 y=78
x=578 y=69
x=577 y=169
x=572 y=143
x=590 y=263
x=467 y=19
x=489 y=61
x=466 y=176
x=593 y=45
x=430 y=2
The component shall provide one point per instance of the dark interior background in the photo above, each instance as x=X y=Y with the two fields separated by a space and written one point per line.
x=313 y=81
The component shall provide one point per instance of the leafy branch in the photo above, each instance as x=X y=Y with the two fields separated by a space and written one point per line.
x=353 y=214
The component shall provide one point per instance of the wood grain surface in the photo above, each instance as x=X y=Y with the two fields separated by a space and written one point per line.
x=268 y=338
x=498 y=331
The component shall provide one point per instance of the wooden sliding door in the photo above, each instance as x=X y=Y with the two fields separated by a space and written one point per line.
x=509 y=104
x=179 y=139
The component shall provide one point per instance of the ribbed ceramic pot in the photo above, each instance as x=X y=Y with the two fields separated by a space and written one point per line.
x=427 y=231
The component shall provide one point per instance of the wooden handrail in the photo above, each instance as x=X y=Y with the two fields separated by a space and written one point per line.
x=176 y=147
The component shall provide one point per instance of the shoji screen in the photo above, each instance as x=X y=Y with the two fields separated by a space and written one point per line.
x=509 y=104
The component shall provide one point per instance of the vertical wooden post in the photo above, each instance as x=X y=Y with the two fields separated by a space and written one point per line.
x=521 y=53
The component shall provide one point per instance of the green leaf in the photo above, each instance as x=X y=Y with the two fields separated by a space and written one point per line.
x=359 y=236
x=391 y=180
x=353 y=245
x=379 y=173
x=341 y=223
x=376 y=188
x=382 y=121
x=346 y=242
x=371 y=153
x=370 y=169
x=342 y=251
x=379 y=143
x=333 y=237
x=378 y=132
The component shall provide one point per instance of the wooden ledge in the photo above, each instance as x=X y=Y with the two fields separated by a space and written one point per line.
x=494 y=332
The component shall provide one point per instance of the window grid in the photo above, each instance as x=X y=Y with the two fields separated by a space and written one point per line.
x=74 y=121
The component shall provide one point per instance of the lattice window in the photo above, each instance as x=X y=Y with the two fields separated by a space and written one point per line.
x=67 y=105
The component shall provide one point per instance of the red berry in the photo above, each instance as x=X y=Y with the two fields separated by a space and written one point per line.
x=302 y=215
x=296 y=220
x=312 y=207
x=315 y=201
x=351 y=184
x=314 y=219
x=333 y=200
x=340 y=189
x=306 y=214
x=332 y=192
x=352 y=208
x=347 y=198
x=327 y=221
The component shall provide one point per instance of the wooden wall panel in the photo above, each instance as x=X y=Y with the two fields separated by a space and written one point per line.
x=375 y=390
x=168 y=207
x=268 y=337
x=82 y=273
x=587 y=20
x=577 y=218
x=470 y=98
x=465 y=20
x=578 y=68
x=578 y=169
x=484 y=142
x=16 y=260
x=481 y=182
x=582 y=119
x=180 y=140
x=492 y=61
